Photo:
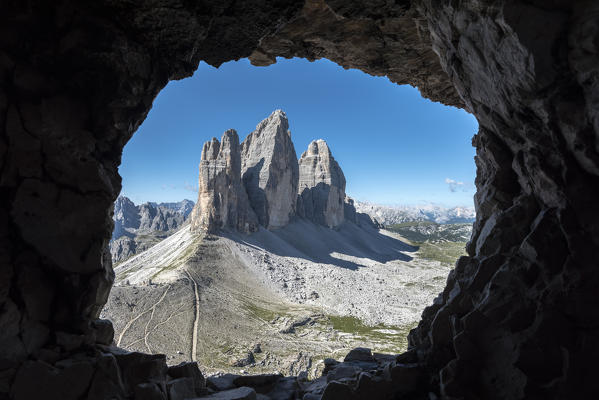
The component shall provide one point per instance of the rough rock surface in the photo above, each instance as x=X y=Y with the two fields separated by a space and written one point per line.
x=321 y=190
x=222 y=199
x=126 y=215
x=270 y=171
x=359 y=218
x=380 y=38
x=518 y=317
x=122 y=248
x=159 y=218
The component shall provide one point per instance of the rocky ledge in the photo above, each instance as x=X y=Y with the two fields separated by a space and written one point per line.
x=102 y=371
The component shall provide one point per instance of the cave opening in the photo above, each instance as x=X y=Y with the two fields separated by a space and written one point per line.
x=517 y=318
x=320 y=284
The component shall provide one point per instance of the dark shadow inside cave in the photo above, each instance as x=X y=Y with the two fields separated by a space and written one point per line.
x=516 y=318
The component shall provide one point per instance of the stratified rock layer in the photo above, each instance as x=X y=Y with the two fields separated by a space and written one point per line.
x=321 y=186
x=222 y=200
x=270 y=171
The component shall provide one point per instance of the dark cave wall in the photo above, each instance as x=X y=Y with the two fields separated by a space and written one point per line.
x=518 y=318
x=76 y=80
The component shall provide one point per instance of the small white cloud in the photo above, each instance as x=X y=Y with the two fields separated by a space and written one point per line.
x=455 y=186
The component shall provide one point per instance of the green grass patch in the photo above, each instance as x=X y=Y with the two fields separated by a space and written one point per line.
x=444 y=252
x=265 y=311
x=261 y=313
x=374 y=336
x=354 y=326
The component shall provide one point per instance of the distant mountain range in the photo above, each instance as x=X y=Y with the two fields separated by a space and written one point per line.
x=391 y=215
x=136 y=228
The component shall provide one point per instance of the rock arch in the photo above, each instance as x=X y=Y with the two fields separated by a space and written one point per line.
x=518 y=318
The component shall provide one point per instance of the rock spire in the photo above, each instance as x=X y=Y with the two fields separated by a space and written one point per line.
x=261 y=182
x=269 y=171
x=321 y=186
x=222 y=200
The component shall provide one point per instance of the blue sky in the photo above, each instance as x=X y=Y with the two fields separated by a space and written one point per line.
x=393 y=146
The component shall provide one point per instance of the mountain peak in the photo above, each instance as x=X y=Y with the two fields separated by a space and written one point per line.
x=278 y=186
x=270 y=171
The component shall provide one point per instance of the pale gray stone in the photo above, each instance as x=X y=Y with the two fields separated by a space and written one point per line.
x=270 y=171
x=222 y=199
x=321 y=185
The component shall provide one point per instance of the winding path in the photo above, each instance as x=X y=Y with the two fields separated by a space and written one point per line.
x=132 y=320
x=196 y=321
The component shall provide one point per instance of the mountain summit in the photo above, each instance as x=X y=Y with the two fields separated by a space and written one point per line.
x=321 y=186
x=269 y=171
x=261 y=182
x=222 y=199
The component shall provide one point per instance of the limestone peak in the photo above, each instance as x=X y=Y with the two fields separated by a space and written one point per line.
x=262 y=181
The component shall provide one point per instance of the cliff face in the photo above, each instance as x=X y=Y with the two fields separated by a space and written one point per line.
x=126 y=215
x=321 y=186
x=222 y=200
x=269 y=171
x=261 y=182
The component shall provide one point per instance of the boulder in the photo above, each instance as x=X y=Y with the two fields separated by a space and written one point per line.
x=248 y=359
x=242 y=393
x=338 y=391
x=257 y=381
x=221 y=382
x=359 y=354
x=222 y=200
x=181 y=389
x=270 y=171
x=321 y=186
x=189 y=370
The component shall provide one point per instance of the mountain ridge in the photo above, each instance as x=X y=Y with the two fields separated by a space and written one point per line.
x=139 y=227
x=389 y=215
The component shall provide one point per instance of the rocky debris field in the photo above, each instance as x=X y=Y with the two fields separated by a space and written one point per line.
x=269 y=302
x=361 y=272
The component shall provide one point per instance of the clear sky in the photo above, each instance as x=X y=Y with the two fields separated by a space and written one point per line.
x=394 y=146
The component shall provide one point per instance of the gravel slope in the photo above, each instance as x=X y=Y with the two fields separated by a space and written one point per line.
x=295 y=291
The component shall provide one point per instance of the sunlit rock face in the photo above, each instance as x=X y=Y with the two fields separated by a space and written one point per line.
x=222 y=200
x=321 y=186
x=518 y=317
x=269 y=171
